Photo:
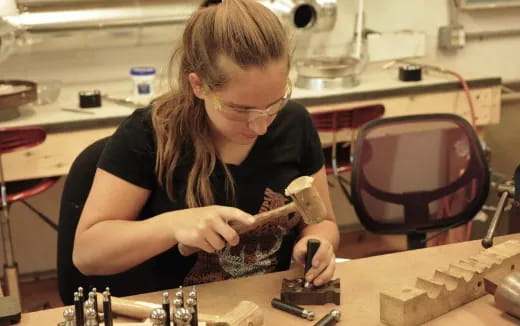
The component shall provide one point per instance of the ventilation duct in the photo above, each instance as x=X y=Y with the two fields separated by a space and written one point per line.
x=311 y=15
x=40 y=16
x=53 y=25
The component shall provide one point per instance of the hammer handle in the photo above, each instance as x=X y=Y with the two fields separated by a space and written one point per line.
x=266 y=217
x=260 y=219
x=246 y=313
x=129 y=308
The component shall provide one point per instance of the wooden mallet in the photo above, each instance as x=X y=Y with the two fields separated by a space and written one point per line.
x=305 y=200
x=246 y=313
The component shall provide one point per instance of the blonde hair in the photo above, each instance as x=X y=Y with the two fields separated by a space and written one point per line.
x=244 y=31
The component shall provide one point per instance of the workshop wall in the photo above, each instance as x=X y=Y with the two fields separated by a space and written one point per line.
x=35 y=243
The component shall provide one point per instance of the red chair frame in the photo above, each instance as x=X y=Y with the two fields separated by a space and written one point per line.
x=337 y=120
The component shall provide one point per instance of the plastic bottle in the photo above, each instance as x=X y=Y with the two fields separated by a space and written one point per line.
x=143 y=78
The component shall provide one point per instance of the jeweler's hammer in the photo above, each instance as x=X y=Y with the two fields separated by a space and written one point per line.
x=305 y=200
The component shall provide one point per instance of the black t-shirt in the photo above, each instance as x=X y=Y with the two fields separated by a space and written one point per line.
x=289 y=149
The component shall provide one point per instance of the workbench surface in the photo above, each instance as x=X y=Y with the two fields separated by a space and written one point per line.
x=361 y=282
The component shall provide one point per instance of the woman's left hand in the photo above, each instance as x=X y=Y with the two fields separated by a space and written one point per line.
x=323 y=262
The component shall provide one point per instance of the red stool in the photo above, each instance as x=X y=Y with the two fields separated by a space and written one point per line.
x=335 y=121
x=15 y=139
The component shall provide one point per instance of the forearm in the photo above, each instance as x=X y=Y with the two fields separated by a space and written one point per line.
x=327 y=230
x=114 y=246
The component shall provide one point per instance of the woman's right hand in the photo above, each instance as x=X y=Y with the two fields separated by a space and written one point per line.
x=208 y=228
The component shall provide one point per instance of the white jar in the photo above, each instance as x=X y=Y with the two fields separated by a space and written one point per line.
x=143 y=78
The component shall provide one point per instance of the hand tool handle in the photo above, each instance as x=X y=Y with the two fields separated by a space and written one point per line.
x=487 y=242
x=130 y=308
x=260 y=219
x=246 y=313
x=312 y=247
x=330 y=319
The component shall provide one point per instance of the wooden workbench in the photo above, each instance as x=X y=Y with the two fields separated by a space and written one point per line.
x=361 y=282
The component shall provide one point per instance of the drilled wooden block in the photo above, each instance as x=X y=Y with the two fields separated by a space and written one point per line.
x=448 y=289
x=294 y=292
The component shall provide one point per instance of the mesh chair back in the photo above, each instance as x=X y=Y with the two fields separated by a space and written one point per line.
x=418 y=173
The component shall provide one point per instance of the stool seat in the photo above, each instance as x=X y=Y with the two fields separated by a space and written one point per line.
x=11 y=140
x=21 y=190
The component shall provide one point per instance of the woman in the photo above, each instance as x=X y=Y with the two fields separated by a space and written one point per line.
x=220 y=147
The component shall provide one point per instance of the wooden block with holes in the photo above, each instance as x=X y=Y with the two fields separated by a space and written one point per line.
x=448 y=289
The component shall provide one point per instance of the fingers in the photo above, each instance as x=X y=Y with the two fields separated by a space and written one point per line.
x=226 y=232
x=322 y=256
x=216 y=231
x=234 y=214
x=323 y=262
x=226 y=226
x=221 y=225
x=204 y=245
x=320 y=261
x=215 y=241
x=327 y=274
x=209 y=229
x=299 y=252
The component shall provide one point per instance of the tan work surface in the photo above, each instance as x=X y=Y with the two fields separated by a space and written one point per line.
x=361 y=282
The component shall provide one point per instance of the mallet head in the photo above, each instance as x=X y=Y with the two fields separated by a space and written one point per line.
x=307 y=199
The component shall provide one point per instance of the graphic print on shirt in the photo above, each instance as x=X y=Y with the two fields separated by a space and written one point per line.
x=256 y=253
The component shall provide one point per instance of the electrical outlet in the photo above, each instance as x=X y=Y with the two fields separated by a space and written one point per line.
x=452 y=37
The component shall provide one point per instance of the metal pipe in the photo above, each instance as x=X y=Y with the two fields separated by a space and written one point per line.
x=44 y=16
x=315 y=15
x=44 y=25
x=358 y=36
x=480 y=36
x=506 y=192
x=58 y=16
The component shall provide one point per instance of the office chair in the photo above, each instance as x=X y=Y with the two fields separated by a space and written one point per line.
x=11 y=140
x=333 y=122
x=75 y=192
x=416 y=174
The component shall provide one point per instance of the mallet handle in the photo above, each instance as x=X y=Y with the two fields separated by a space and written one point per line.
x=266 y=217
x=260 y=219
x=246 y=313
x=129 y=308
